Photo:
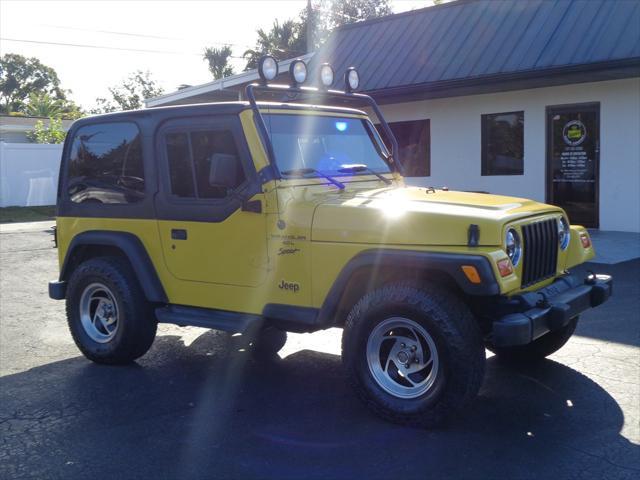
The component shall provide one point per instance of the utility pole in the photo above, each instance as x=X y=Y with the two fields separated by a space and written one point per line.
x=310 y=28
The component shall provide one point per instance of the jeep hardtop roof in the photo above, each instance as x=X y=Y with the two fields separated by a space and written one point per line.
x=218 y=108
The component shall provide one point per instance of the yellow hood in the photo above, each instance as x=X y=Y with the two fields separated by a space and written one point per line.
x=417 y=216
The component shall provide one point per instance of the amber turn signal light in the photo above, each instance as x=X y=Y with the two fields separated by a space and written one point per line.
x=505 y=267
x=472 y=273
x=586 y=241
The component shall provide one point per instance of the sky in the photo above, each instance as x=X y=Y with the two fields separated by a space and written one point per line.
x=166 y=37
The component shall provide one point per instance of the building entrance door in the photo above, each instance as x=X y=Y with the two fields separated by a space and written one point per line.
x=573 y=161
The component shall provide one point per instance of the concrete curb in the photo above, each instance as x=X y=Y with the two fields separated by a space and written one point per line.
x=26 y=226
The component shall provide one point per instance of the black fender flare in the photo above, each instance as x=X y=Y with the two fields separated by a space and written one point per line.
x=132 y=248
x=377 y=259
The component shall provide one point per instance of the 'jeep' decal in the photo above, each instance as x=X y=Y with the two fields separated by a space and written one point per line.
x=291 y=286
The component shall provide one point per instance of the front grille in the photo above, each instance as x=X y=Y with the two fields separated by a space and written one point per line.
x=540 y=251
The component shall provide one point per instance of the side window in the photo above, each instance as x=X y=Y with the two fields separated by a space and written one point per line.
x=180 y=168
x=203 y=163
x=105 y=164
x=217 y=163
x=414 y=140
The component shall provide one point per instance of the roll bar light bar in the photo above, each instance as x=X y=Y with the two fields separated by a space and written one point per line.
x=295 y=88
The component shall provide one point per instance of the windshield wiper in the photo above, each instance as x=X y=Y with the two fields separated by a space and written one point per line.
x=363 y=168
x=305 y=171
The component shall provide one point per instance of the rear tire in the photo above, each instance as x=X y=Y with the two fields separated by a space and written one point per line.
x=538 y=349
x=414 y=355
x=109 y=317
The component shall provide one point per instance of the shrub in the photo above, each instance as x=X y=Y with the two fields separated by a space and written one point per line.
x=51 y=133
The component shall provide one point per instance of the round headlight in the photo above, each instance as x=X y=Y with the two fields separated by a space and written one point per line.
x=267 y=68
x=564 y=233
x=326 y=75
x=351 y=79
x=513 y=246
x=298 y=72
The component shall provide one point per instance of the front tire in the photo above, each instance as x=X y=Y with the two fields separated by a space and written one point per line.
x=414 y=355
x=108 y=315
x=539 y=348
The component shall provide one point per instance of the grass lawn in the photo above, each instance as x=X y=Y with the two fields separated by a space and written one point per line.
x=27 y=214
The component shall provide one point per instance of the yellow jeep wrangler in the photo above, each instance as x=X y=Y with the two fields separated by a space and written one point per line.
x=262 y=218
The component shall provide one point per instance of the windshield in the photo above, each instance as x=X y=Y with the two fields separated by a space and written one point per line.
x=325 y=143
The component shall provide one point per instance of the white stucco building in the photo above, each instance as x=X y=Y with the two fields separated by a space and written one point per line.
x=456 y=143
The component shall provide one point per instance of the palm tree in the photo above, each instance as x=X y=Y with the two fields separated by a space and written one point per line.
x=282 y=41
x=218 y=59
x=43 y=105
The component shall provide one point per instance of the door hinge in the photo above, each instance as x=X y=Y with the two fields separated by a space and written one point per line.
x=253 y=206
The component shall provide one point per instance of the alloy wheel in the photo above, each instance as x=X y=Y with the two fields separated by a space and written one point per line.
x=402 y=357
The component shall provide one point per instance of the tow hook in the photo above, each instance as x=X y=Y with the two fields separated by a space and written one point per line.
x=544 y=301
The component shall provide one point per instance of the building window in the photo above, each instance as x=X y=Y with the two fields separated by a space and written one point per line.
x=105 y=164
x=414 y=140
x=503 y=143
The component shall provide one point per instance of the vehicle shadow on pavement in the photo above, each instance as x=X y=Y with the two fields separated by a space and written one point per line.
x=616 y=320
x=207 y=410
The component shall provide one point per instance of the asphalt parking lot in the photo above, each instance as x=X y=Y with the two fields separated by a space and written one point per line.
x=195 y=407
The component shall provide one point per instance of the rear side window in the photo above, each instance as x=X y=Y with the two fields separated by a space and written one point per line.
x=203 y=164
x=105 y=164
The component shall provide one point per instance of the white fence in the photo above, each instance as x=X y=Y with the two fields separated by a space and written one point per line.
x=28 y=174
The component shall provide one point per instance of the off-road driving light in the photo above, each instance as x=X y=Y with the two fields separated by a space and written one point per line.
x=564 y=233
x=326 y=75
x=513 y=246
x=267 y=68
x=351 y=79
x=298 y=72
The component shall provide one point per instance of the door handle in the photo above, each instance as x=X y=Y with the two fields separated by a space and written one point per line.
x=178 y=234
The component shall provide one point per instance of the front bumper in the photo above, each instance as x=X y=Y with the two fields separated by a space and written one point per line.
x=549 y=308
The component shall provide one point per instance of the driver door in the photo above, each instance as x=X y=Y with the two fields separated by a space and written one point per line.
x=207 y=175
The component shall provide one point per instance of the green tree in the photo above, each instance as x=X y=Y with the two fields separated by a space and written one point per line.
x=218 y=59
x=20 y=77
x=314 y=29
x=351 y=11
x=130 y=94
x=51 y=133
x=293 y=38
x=282 y=41
x=321 y=17
x=72 y=111
x=44 y=105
